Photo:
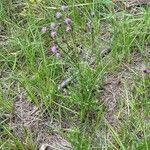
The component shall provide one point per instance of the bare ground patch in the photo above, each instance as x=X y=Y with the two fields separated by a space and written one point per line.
x=27 y=116
x=117 y=84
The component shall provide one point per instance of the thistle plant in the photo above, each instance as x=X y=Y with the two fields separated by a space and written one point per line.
x=63 y=41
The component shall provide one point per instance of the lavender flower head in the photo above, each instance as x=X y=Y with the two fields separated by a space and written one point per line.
x=145 y=70
x=58 y=15
x=63 y=7
x=53 y=26
x=68 y=29
x=67 y=21
x=54 y=49
x=53 y=34
x=44 y=30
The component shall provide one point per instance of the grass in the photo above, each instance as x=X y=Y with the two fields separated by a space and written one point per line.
x=28 y=66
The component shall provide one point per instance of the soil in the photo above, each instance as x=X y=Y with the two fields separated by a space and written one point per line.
x=26 y=118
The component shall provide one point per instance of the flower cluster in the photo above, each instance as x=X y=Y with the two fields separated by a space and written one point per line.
x=58 y=15
x=64 y=22
x=60 y=20
x=54 y=49
x=68 y=24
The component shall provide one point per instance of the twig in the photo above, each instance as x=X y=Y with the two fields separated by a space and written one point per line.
x=65 y=83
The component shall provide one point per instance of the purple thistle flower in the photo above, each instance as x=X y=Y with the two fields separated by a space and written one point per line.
x=54 y=49
x=63 y=7
x=68 y=29
x=145 y=70
x=58 y=15
x=53 y=34
x=53 y=26
x=44 y=30
x=67 y=21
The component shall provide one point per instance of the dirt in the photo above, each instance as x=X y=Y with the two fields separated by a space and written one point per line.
x=116 y=84
x=137 y=2
x=27 y=117
x=133 y=2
